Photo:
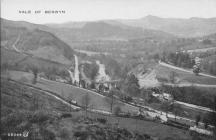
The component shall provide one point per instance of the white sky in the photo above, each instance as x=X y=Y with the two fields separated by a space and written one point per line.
x=88 y=10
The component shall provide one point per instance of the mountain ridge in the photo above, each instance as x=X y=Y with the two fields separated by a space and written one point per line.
x=30 y=38
x=192 y=27
x=182 y=27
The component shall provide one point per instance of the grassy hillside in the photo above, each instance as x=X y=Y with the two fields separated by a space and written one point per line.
x=46 y=118
x=22 y=38
x=163 y=75
x=27 y=109
x=21 y=61
x=192 y=27
x=70 y=92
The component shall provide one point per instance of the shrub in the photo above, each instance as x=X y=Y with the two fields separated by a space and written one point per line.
x=39 y=117
x=117 y=110
x=128 y=99
x=46 y=134
x=66 y=115
x=101 y=120
x=157 y=118
x=81 y=134
x=64 y=134
x=13 y=119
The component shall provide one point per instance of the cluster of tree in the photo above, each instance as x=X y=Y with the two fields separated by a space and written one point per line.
x=196 y=69
x=130 y=86
x=181 y=59
x=113 y=68
x=173 y=77
x=210 y=66
x=172 y=107
x=193 y=95
x=110 y=99
x=121 y=95
x=86 y=103
x=35 y=70
x=91 y=70
x=205 y=54
x=207 y=42
x=209 y=118
x=52 y=72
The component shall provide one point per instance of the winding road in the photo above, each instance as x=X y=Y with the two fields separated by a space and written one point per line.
x=14 y=44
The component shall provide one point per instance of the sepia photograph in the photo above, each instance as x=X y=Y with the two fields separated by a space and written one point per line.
x=108 y=70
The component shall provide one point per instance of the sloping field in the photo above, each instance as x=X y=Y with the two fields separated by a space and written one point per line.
x=163 y=75
x=151 y=128
x=69 y=92
x=19 y=99
x=22 y=60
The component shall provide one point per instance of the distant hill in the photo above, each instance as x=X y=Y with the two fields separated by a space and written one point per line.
x=111 y=36
x=81 y=24
x=30 y=38
x=67 y=25
x=192 y=27
x=114 y=37
x=102 y=30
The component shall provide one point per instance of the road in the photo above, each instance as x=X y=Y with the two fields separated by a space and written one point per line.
x=195 y=106
x=91 y=53
x=50 y=94
x=189 y=85
x=202 y=50
x=14 y=44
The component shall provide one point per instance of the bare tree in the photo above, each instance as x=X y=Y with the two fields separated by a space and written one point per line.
x=117 y=110
x=198 y=118
x=5 y=69
x=4 y=66
x=85 y=101
x=110 y=100
x=177 y=109
x=35 y=103
x=35 y=71
x=165 y=106
x=172 y=77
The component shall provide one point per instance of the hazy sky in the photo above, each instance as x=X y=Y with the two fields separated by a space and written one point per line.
x=88 y=10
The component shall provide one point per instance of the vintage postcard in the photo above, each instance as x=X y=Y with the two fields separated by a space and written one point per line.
x=108 y=70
